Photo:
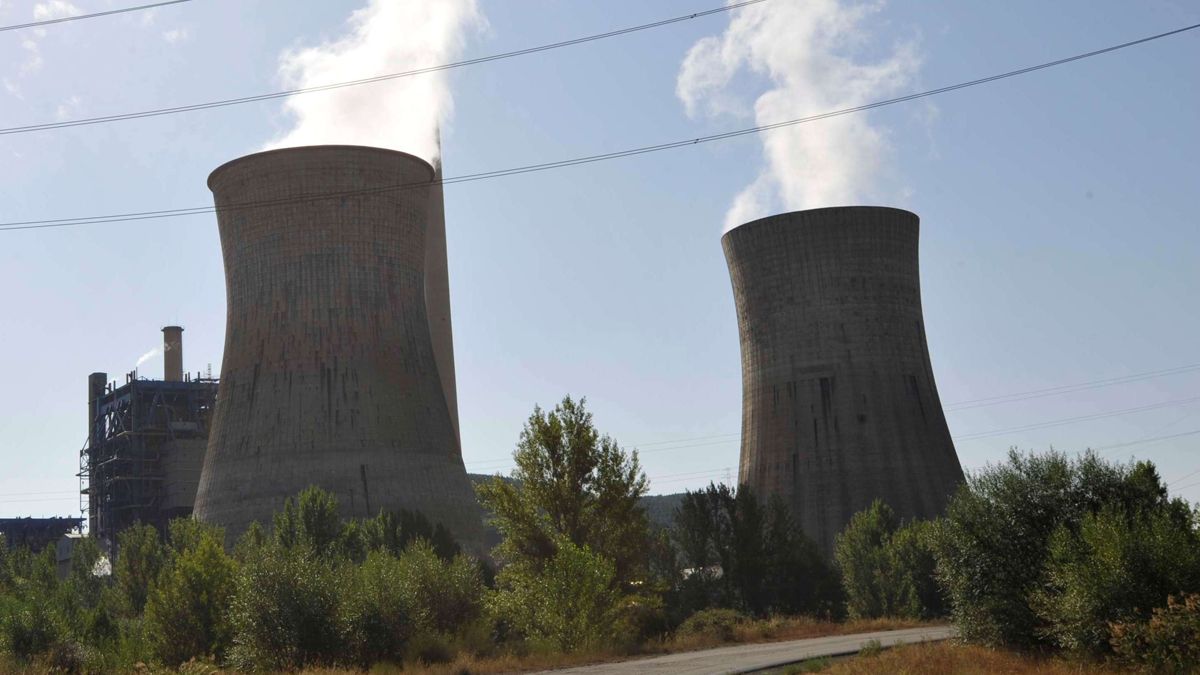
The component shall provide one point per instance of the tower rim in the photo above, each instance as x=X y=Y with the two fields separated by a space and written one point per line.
x=821 y=209
x=298 y=149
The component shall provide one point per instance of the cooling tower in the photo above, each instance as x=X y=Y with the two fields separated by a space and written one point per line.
x=329 y=376
x=839 y=406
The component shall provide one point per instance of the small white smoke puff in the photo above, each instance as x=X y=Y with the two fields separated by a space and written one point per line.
x=807 y=50
x=147 y=356
x=385 y=36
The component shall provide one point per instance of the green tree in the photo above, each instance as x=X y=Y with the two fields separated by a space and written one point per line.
x=570 y=484
x=999 y=526
x=140 y=559
x=311 y=521
x=738 y=554
x=286 y=611
x=568 y=604
x=187 y=612
x=1115 y=569
x=862 y=557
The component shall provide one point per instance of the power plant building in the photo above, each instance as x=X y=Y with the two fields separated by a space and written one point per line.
x=333 y=374
x=839 y=404
x=145 y=446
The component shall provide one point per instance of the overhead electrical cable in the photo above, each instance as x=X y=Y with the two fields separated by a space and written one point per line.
x=104 y=119
x=1081 y=418
x=1068 y=388
x=530 y=168
x=79 y=17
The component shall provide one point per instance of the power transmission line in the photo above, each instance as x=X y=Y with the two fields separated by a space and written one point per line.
x=79 y=17
x=366 y=80
x=1068 y=388
x=1081 y=418
x=531 y=168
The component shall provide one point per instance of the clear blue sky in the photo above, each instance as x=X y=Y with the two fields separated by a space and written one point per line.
x=1059 y=237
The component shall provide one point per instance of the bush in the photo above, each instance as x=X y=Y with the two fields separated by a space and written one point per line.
x=28 y=627
x=187 y=613
x=888 y=570
x=993 y=544
x=1169 y=642
x=568 y=605
x=1116 y=568
x=377 y=616
x=445 y=597
x=714 y=624
x=285 y=611
x=139 y=562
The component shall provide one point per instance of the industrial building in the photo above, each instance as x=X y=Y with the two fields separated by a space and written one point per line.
x=333 y=372
x=36 y=533
x=839 y=404
x=145 y=445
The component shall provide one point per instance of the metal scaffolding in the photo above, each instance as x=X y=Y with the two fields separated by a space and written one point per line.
x=127 y=460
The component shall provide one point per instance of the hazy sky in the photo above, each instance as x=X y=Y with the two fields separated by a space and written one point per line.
x=1059 y=235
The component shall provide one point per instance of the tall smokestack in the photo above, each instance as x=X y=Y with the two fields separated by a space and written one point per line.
x=437 y=295
x=97 y=382
x=839 y=406
x=173 y=353
x=329 y=376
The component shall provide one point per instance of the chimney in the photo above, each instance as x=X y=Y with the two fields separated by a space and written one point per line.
x=173 y=353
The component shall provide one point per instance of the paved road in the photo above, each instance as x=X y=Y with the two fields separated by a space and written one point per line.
x=749 y=658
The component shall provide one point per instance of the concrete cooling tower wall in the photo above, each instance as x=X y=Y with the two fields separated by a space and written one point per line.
x=329 y=375
x=839 y=406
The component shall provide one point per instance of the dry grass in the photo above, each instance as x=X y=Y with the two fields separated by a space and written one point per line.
x=950 y=658
x=768 y=630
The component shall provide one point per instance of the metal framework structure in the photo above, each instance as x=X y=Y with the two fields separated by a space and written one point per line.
x=126 y=461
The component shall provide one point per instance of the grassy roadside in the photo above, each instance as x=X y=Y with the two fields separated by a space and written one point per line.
x=767 y=630
x=951 y=658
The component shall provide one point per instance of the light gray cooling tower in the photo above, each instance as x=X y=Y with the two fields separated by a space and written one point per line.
x=839 y=406
x=329 y=376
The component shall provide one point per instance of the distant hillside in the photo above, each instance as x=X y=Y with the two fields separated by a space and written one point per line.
x=659 y=508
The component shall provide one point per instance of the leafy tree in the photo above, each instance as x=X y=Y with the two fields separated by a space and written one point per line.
x=445 y=596
x=737 y=554
x=862 y=556
x=569 y=604
x=187 y=613
x=798 y=579
x=377 y=614
x=571 y=484
x=1115 y=569
x=286 y=611
x=311 y=521
x=999 y=527
x=140 y=559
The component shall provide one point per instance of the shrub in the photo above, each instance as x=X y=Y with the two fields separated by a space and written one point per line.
x=567 y=605
x=311 y=521
x=187 y=613
x=1117 y=567
x=888 y=570
x=1169 y=642
x=28 y=627
x=376 y=615
x=139 y=561
x=445 y=596
x=992 y=546
x=285 y=611
x=714 y=624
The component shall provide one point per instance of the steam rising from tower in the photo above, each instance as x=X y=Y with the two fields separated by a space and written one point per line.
x=839 y=406
x=330 y=376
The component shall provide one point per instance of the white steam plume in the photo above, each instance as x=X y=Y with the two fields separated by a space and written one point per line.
x=810 y=53
x=147 y=356
x=385 y=36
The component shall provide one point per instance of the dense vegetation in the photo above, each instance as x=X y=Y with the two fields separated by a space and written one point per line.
x=1072 y=555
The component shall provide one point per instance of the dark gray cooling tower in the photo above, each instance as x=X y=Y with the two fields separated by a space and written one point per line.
x=329 y=375
x=839 y=406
